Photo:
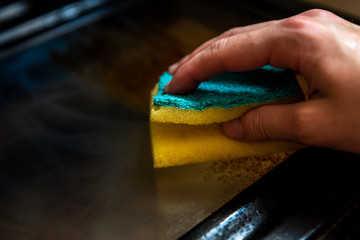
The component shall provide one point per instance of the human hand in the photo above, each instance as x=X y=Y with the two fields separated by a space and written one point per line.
x=321 y=46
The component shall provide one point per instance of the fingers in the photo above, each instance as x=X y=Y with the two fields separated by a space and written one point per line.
x=173 y=68
x=288 y=43
x=302 y=122
x=239 y=52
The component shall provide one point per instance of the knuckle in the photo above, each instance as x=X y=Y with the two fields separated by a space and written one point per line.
x=308 y=21
x=319 y=13
x=304 y=31
x=255 y=126
x=297 y=23
x=218 y=45
x=261 y=129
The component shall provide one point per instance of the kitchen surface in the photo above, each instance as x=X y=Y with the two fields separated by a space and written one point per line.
x=75 y=149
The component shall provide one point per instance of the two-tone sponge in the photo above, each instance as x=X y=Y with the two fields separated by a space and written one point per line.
x=187 y=128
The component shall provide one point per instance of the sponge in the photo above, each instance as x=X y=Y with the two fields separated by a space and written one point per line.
x=187 y=128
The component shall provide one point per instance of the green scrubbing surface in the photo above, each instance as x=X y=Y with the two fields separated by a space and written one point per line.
x=232 y=89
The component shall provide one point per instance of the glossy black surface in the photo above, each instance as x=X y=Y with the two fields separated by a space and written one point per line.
x=75 y=154
x=28 y=23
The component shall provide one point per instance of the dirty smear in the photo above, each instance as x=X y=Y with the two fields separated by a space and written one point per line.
x=244 y=170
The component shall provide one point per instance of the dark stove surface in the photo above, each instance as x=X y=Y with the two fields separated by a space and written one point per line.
x=75 y=153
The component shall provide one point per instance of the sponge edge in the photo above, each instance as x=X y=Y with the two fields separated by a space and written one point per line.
x=183 y=136
x=178 y=115
x=179 y=144
x=209 y=115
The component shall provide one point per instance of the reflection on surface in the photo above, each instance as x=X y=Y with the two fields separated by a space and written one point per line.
x=12 y=10
x=241 y=217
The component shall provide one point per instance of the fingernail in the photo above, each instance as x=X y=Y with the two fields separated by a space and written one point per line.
x=233 y=129
x=172 y=69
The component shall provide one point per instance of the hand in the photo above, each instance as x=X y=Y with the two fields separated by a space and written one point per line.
x=321 y=46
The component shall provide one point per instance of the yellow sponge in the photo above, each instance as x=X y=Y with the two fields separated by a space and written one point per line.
x=185 y=130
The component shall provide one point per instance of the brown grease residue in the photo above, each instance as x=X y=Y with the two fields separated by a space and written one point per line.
x=244 y=170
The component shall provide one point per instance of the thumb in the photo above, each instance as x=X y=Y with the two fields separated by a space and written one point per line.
x=273 y=122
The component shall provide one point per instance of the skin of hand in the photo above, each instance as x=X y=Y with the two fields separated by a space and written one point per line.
x=321 y=46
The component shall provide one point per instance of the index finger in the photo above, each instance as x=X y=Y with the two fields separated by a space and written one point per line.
x=226 y=34
x=241 y=52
